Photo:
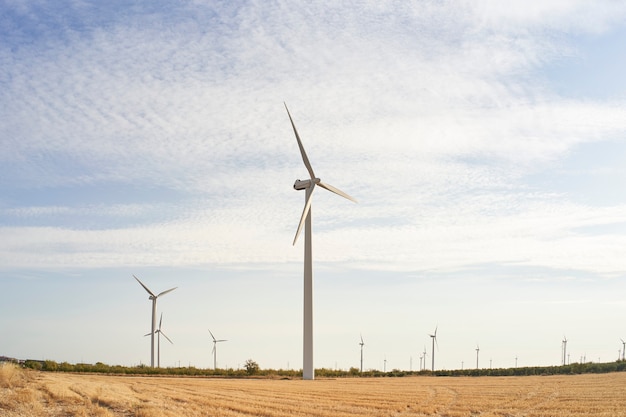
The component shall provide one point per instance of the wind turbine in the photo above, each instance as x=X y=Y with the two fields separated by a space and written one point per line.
x=564 y=350
x=308 y=371
x=215 y=342
x=362 y=344
x=477 y=350
x=424 y=354
x=160 y=332
x=154 y=303
x=434 y=338
x=623 y=348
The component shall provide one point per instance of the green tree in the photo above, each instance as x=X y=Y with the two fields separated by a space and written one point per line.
x=251 y=367
x=50 y=366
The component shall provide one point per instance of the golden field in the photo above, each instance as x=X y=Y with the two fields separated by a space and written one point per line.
x=33 y=393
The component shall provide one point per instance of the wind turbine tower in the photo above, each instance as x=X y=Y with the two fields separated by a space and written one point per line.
x=477 y=350
x=434 y=340
x=308 y=371
x=623 y=348
x=153 y=298
x=564 y=350
x=362 y=344
x=214 y=352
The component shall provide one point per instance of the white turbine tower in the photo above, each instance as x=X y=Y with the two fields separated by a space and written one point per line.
x=308 y=371
x=154 y=309
x=215 y=342
x=477 y=350
x=160 y=332
x=623 y=348
x=564 y=350
x=434 y=338
x=362 y=344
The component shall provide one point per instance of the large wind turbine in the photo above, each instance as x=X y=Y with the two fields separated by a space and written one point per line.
x=160 y=332
x=434 y=338
x=154 y=303
x=362 y=344
x=215 y=342
x=308 y=371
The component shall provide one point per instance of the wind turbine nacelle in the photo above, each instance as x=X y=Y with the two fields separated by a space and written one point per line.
x=303 y=185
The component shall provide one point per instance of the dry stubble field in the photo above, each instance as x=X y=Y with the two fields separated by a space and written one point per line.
x=58 y=394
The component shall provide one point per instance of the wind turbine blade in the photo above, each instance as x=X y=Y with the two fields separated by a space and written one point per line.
x=222 y=340
x=146 y=288
x=336 y=191
x=213 y=351
x=148 y=334
x=160 y=321
x=168 y=339
x=302 y=152
x=305 y=212
x=166 y=291
x=212 y=335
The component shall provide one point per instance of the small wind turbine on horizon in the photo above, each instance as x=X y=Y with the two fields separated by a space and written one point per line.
x=564 y=342
x=424 y=355
x=153 y=298
x=362 y=344
x=308 y=371
x=434 y=339
x=477 y=350
x=160 y=332
x=623 y=348
x=214 y=351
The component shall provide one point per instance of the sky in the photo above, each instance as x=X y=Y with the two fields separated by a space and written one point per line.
x=485 y=143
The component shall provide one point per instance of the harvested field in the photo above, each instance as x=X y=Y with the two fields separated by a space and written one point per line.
x=58 y=394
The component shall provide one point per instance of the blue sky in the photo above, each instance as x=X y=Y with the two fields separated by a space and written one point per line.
x=485 y=145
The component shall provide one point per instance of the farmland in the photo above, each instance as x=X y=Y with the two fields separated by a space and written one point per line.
x=33 y=393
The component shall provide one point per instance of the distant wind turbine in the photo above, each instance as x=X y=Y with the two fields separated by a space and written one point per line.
x=308 y=371
x=434 y=338
x=623 y=348
x=154 y=309
x=362 y=344
x=424 y=354
x=215 y=342
x=477 y=350
x=564 y=350
x=160 y=332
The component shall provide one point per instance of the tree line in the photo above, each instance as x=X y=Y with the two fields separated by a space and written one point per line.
x=251 y=368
